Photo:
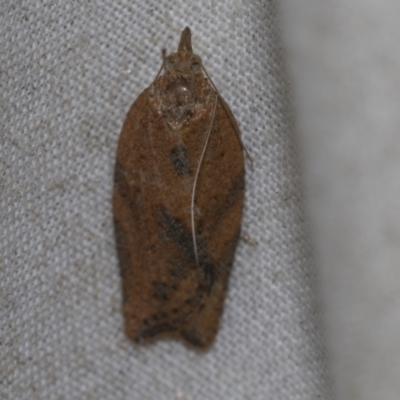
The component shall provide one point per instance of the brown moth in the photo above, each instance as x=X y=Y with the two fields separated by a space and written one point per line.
x=178 y=199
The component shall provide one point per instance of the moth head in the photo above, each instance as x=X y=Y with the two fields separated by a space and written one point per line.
x=184 y=62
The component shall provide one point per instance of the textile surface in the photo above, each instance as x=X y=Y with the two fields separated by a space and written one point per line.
x=69 y=72
x=345 y=64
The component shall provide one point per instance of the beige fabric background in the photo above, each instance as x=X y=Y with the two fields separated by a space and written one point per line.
x=344 y=58
x=69 y=72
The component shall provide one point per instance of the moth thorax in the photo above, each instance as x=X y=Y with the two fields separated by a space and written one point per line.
x=181 y=92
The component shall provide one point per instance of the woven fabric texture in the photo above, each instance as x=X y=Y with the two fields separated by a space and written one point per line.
x=345 y=63
x=69 y=72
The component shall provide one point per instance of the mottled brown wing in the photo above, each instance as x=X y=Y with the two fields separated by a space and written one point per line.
x=164 y=291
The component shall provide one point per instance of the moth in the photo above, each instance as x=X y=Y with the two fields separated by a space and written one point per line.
x=177 y=203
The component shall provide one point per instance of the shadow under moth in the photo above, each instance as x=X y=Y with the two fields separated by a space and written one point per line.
x=177 y=204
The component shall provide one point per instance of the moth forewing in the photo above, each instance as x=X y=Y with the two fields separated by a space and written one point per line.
x=178 y=199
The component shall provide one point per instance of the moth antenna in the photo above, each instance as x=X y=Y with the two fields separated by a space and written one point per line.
x=196 y=254
x=161 y=68
x=230 y=116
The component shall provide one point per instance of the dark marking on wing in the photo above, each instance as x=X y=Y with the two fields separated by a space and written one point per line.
x=177 y=270
x=129 y=193
x=192 y=337
x=160 y=291
x=119 y=175
x=180 y=160
x=235 y=190
x=234 y=193
x=209 y=276
x=157 y=329
x=206 y=262
x=178 y=232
